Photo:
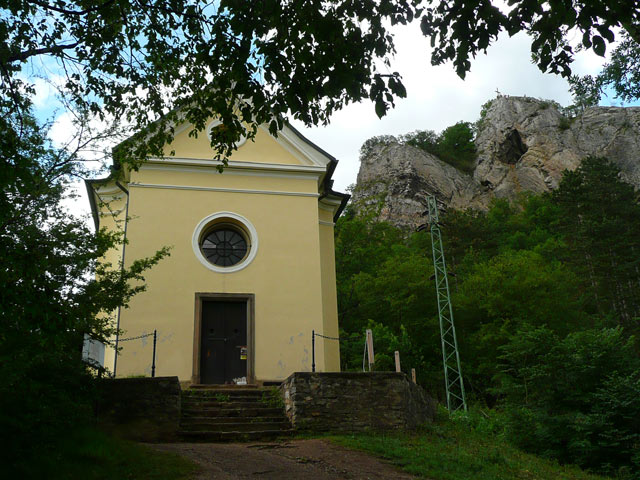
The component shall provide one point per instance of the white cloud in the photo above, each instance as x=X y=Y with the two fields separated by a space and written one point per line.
x=437 y=97
x=65 y=133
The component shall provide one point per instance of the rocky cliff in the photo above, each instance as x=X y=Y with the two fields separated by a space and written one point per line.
x=523 y=145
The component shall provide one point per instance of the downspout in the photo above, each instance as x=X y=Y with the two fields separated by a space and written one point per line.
x=124 y=246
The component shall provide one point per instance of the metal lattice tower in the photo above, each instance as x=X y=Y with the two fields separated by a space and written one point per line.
x=450 y=357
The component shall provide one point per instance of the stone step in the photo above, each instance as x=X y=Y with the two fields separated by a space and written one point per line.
x=222 y=396
x=231 y=420
x=230 y=412
x=249 y=436
x=244 y=398
x=236 y=427
x=225 y=393
x=216 y=404
x=234 y=387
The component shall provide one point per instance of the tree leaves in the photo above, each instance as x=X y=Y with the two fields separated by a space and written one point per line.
x=281 y=58
x=621 y=74
x=599 y=47
x=49 y=296
x=459 y=29
x=573 y=397
x=195 y=60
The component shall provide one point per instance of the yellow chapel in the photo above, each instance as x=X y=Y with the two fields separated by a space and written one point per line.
x=251 y=272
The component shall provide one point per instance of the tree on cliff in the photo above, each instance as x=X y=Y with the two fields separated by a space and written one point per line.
x=154 y=63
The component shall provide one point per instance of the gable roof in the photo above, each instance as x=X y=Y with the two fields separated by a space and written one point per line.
x=313 y=152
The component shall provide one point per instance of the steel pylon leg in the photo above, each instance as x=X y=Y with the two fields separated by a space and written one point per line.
x=450 y=357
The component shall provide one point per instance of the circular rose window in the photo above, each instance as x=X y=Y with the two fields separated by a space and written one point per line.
x=225 y=242
x=224 y=245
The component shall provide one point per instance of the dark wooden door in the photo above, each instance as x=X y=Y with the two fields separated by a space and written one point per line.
x=223 y=341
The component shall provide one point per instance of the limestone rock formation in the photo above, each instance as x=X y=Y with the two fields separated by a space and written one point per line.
x=523 y=144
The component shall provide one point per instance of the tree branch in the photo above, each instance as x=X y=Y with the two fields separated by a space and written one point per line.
x=22 y=56
x=65 y=11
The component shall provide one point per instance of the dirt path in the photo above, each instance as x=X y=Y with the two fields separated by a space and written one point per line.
x=297 y=459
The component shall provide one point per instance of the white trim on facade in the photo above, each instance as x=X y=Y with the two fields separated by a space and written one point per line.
x=203 y=162
x=231 y=170
x=312 y=154
x=208 y=220
x=285 y=143
x=220 y=189
x=330 y=224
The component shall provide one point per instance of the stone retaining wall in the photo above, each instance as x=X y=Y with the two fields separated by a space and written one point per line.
x=142 y=409
x=355 y=402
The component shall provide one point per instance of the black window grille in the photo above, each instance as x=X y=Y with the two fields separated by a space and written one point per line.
x=224 y=246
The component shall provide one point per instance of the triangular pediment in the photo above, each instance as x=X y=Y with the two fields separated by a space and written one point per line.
x=288 y=148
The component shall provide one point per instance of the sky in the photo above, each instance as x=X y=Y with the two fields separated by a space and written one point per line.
x=436 y=98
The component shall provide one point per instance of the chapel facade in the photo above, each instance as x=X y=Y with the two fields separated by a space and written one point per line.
x=251 y=271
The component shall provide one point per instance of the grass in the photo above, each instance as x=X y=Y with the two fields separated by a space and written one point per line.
x=272 y=398
x=454 y=450
x=90 y=454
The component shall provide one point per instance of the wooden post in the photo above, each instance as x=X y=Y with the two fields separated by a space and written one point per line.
x=370 y=348
x=413 y=375
x=397 y=355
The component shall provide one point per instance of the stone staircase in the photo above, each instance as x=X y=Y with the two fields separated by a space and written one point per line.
x=232 y=415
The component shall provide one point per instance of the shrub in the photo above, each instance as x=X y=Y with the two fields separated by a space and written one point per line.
x=455 y=145
x=575 y=398
x=426 y=140
x=367 y=146
x=564 y=124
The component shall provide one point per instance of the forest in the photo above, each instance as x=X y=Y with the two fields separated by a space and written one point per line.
x=546 y=299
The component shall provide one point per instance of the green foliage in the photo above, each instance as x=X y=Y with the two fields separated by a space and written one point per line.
x=484 y=110
x=599 y=216
x=49 y=296
x=426 y=140
x=460 y=29
x=550 y=103
x=574 y=398
x=564 y=124
x=460 y=448
x=92 y=455
x=272 y=398
x=545 y=301
x=621 y=74
x=255 y=63
x=381 y=279
x=221 y=397
x=367 y=146
x=500 y=295
x=387 y=341
x=454 y=145
x=246 y=63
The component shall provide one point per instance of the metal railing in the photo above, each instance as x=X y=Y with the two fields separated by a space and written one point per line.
x=313 y=346
x=155 y=338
